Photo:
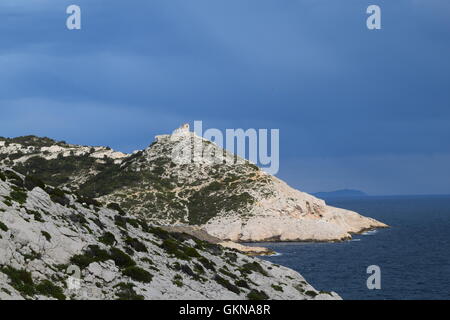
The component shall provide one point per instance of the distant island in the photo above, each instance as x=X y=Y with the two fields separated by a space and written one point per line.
x=344 y=193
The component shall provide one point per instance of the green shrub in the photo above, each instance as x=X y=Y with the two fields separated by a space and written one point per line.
x=116 y=207
x=14 y=178
x=242 y=284
x=6 y=291
x=175 y=248
x=32 y=256
x=56 y=172
x=299 y=288
x=110 y=179
x=32 y=182
x=208 y=264
x=46 y=235
x=121 y=259
x=257 y=295
x=226 y=284
x=253 y=266
x=231 y=256
x=134 y=222
x=37 y=215
x=311 y=293
x=77 y=218
x=47 y=288
x=58 y=196
x=81 y=260
x=138 y=274
x=126 y=292
x=277 y=288
x=92 y=254
x=108 y=239
x=227 y=273
x=192 y=252
x=121 y=222
x=187 y=270
x=160 y=233
x=98 y=223
x=136 y=244
x=20 y=280
x=144 y=226
x=199 y=269
x=18 y=196
x=3 y=226
x=178 y=280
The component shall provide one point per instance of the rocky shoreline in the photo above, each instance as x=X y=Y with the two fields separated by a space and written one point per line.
x=251 y=250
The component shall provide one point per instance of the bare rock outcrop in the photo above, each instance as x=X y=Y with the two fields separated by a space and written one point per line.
x=55 y=244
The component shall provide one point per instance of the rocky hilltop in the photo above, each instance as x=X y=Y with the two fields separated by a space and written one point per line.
x=56 y=162
x=47 y=232
x=174 y=183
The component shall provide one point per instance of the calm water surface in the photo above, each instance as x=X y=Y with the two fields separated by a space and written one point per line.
x=414 y=254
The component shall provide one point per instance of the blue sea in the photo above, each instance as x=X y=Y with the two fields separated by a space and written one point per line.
x=414 y=254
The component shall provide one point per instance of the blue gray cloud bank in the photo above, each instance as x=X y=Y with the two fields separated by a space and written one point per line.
x=356 y=108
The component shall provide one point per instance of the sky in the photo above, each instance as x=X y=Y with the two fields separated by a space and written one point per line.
x=356 y=108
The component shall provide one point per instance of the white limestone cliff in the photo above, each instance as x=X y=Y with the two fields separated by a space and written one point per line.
x=278 y=213
x=291 y=215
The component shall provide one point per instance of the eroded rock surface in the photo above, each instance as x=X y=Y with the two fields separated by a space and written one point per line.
x=47 y=233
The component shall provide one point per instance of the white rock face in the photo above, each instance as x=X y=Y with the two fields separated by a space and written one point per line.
x=257 y=251
x=50 y=150
x=43 y=233
x=291 y=215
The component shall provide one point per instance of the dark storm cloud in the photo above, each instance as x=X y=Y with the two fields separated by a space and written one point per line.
x=311 y=68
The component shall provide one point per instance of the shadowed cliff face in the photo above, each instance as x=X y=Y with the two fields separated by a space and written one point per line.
x=184 y=179
x=45 y=232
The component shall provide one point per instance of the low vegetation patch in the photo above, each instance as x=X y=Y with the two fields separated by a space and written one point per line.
x=311 y=293
x=121 y=259
x=92 y=254
x=18 y=195
x=47 y=288
x=20 y=280
x=3 y=226
x=179 y=250
x=242 y=283
x=226 y=284
x=257 y=295
x=277 y=287
x=126 y=292
x=32 y=182
x=58 y=196
x=178 y=280
x=253 y=267
x=136 y=244
x=138 y=274
x=46 y=235
x=108 y=239
x=116 y=207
